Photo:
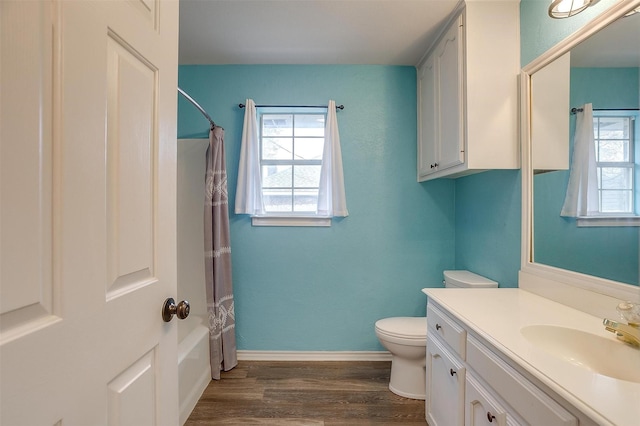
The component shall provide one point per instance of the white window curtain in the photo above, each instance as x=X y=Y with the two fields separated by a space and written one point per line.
x=249 y=187
x=582 y=191
x=331 y=195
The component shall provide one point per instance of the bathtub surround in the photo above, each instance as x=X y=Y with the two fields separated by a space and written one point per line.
x=217 y=252
x=194 y=361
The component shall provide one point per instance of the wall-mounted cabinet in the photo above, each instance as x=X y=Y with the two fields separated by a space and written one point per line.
x=468 y=93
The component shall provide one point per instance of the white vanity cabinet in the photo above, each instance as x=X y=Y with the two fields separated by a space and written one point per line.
x=445 y=373
x=481 y=406
x=467 y=93
x=469 y=383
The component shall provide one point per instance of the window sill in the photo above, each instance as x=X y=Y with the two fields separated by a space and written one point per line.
x=290 y=221
x=610 y=221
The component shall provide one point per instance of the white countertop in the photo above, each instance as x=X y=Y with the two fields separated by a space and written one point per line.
x=497 y=315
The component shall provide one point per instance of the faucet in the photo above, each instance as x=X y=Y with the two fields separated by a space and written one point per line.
x=630 y=332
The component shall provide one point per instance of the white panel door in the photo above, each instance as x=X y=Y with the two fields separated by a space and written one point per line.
x=87 y=212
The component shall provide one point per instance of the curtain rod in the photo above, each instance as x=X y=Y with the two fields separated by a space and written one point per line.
x=197 y=105
x=293 y=106
x=574 y=110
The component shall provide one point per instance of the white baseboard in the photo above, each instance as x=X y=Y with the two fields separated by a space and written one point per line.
x=245 y=355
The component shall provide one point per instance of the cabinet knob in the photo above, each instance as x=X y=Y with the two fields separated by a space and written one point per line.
x=452 y=372
x=490 y=417
x=438 y=326
x=434 y=165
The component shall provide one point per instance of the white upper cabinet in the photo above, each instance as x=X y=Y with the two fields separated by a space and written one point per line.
x=468 y=93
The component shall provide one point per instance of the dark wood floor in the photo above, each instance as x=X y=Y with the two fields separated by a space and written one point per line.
x=305 y=393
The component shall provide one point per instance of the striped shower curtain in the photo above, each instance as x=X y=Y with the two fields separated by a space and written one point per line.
x=219 y=289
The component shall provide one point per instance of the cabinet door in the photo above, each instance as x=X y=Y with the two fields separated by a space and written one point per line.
x=427 y=119
x=450 y=82
x=481 y=408
x=444 y=404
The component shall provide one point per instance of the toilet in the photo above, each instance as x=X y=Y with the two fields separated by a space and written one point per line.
x=406 y=339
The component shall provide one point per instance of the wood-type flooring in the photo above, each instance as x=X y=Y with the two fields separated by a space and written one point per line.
x=306 y=393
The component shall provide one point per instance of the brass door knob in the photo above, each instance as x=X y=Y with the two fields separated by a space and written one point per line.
x=169 y=309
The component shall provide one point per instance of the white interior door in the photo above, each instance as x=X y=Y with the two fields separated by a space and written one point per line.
x=87 y=212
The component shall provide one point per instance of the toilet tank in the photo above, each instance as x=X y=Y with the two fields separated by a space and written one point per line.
x=466 y=279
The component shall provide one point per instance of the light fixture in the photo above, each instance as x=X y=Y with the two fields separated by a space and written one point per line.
x=566 y=8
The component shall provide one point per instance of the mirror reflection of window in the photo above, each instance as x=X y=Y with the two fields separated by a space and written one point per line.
x=614 y=138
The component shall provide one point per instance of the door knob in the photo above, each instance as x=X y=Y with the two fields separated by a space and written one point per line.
x=169 y=309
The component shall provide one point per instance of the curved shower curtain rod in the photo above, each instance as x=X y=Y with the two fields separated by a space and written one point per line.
x=197 y=105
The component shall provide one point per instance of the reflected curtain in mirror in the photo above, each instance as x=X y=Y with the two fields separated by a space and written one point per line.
x=581 y=198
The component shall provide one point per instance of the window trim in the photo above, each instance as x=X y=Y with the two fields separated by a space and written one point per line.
x=629 y=164
x=289 y=219
x=618 y=219
x=608 y=221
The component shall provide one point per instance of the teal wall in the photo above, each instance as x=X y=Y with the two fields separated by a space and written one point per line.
x=539 y=32
x=604 y=252
x=324 y=288
x=488 y=211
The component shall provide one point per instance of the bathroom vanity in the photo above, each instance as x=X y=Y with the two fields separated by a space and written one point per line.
x=509 y=356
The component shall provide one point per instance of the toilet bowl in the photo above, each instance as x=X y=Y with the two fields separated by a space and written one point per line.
x=406 y=339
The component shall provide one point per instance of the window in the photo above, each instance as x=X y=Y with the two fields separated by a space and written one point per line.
x=291 y=147
x=290 y=169
x=615 y=162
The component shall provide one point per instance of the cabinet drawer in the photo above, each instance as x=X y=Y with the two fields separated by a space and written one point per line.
x=526 y=399
x=448 y=330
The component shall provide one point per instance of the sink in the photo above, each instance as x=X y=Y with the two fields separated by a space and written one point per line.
x=608 y=357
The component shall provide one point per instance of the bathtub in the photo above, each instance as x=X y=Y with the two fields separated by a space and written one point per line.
x=194 y=370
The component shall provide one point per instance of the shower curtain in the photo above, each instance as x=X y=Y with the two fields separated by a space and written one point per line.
x=219 y=289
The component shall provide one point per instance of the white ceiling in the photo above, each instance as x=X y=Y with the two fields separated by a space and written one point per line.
x=384 y=32
x=617 y=45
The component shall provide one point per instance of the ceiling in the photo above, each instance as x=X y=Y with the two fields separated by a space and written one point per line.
x=377 y=32
x=617 y=45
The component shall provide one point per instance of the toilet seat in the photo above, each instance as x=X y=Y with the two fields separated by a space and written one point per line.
x=404 y=330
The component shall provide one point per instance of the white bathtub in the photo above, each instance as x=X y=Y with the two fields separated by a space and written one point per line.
x=194 y=371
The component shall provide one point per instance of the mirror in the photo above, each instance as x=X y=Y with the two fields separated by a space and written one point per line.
x=598 y=65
